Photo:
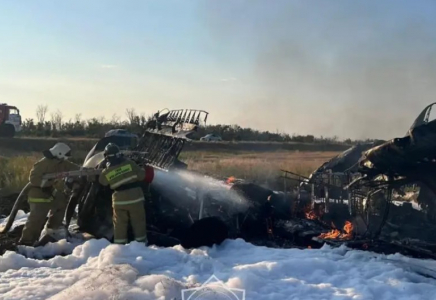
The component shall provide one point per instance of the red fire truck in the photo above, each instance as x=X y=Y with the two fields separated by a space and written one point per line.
x=10 y=120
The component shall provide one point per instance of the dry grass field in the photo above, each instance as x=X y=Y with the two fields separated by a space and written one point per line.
x=259 y=167
x=15 y=168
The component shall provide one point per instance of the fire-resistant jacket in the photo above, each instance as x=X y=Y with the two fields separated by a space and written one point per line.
x=123 y=179
x=42 y=190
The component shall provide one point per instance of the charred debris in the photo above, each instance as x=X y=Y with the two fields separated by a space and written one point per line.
x=377 y=196
x=380 y=196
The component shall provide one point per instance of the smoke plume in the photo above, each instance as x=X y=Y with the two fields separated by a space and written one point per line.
x=347 y=68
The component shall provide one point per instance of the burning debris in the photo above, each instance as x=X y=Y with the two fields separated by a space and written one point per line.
x=311 y=215
x=383 y=192
x=348 y=200
x=347 y=233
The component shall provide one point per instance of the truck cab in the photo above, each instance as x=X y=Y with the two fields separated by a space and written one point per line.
x=10 y=120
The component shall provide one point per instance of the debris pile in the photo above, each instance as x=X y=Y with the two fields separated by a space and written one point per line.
x=369 y=197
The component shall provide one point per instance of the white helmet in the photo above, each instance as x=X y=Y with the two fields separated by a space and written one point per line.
x=60 y=151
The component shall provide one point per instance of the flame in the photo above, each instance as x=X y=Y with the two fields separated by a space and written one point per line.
x=311 y=215
x=333 y=234
x=348 y=227
x=336 y=234
x=230 y=180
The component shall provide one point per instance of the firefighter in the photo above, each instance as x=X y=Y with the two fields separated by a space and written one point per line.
x=46 y=196
x=124 y=177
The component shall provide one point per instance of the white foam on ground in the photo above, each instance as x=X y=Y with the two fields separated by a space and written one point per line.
x=99 y=270
x=20 y=219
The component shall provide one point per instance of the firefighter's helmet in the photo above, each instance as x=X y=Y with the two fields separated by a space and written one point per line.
x=111 y=150
x=61 y=151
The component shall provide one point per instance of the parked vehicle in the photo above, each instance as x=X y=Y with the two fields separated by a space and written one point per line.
x=211 y=137
x=10 y=120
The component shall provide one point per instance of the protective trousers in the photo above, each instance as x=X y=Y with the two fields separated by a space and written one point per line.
x=135 y=213
x=37 y=217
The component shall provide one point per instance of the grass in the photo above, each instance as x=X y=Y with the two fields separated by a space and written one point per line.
x=15 y=169
x=14 y=172
x=263 y=168
x=259 y=167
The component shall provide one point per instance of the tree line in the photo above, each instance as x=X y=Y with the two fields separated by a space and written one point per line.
x=55 y=125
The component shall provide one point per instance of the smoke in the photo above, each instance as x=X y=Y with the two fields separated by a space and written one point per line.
x=352 y=69
x=187 y=188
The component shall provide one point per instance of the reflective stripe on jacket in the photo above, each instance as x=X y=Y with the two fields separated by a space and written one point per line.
x=40 y=200
x=123 y=174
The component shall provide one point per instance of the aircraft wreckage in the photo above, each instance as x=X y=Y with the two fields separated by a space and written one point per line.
x=379 y=195
x=349 y=199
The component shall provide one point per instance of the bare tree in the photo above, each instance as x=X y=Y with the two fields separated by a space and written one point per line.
x=41 y=112
x=115 y=119
x=143 y=119
x=78 y=118
x=56 y=119
x=131 y=115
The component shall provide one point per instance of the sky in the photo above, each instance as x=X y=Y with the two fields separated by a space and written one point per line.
x=358 y=69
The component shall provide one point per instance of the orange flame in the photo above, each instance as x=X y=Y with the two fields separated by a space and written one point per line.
x=311 y=215
x=230 y=180
x=336 y=234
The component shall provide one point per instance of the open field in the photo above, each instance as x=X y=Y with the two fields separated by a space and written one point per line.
x=84 y=144
x=14 y=170
x=258 y=162
x=262 y=167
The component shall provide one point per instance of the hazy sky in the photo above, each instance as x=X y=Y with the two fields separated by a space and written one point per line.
x=347 y=68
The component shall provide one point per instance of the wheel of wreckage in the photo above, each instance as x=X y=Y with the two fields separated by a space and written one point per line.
x=205 y=232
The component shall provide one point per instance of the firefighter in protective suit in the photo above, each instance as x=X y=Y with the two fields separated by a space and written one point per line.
x=46 y=196
x=124 y=178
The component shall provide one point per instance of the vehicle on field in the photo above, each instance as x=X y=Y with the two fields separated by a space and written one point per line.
x=121 y=133
x=10 y=120
x=212 y=137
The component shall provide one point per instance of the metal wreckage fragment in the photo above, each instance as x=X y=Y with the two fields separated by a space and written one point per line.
x=363 y=180
x=166 y=135
x=359 y=188
x=159 y=146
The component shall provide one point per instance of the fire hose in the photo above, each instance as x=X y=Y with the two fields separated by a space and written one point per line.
x=15 y=210
x=78 y=173
x=18 y=201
